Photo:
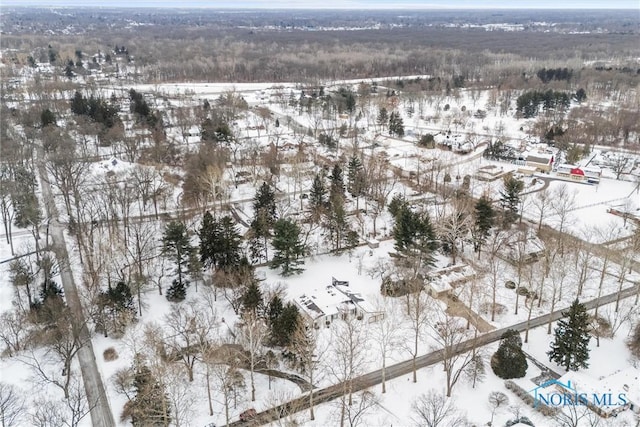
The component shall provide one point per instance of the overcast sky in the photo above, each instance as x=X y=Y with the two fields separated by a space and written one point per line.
x=343 y=4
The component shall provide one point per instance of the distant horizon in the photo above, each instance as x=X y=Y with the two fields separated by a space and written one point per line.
x=382 y=5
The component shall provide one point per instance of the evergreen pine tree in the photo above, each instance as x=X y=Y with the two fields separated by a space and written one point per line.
x=121 y=298
x=220 y=243
x=177 y=291
x=396 y=125
x=150 y=406
x=336 y=222
x=336 y=190
x=414 y=235
x=177 y=246
x=570 y=347
x=355 y=178
x=25 y=201
x=509 y=360
x=230 y=244
x=397 y=203
x=47 y=118
x=264 y=208
x=484 y=221
x=383 y=117
x=284 y=325
x=289 y=249
x=317 y=198
x=209 y=230
x=252 y=298
x=510 y=199
x=275 y=310
x=79 y=104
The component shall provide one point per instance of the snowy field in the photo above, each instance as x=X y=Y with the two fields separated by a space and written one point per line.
x=363 y=267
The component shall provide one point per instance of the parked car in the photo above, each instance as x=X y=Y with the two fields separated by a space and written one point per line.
x=248 y=414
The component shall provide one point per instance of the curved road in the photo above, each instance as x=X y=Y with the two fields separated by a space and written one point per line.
x=100 y=411
x=403 y=368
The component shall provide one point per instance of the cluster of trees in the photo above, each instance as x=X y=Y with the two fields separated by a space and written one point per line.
x=548 y=74
x=282 y=319
x=96 y=108
x=99 y=111
x=115 y=309
x=327 y=205
x=393 y=122
x=143 y=112
x=19 y=204
x=215 y=130
x=497 y=150
x=528 y=104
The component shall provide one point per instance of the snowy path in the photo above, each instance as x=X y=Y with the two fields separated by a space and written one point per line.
x=101 y=415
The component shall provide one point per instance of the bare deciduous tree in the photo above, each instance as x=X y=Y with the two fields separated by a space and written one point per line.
x=310 y=353
x=417 y=315
x=563 y=204
x=448 y=332
x=13 y=331
x=497 y=400
x=435 y=410
x=349 y=347
x=453 y=228
x=189 y=330
x=362 y=402
x=541 y=203
x=62 y=346
x=386 y=333
x=252 y=334
x=578 y=416
x=12 y=406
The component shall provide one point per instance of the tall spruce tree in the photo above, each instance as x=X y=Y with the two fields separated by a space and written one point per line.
x=570 y=347
x=150 y=406
x=483 y=222
x=274 y=310
x=264 y=211
x=414 y=234
x=231 y=241
x=336 y=190
x=336 y=223
x=396 y=125
x=509 y=360
x=283 y=326
x=178 y=247
x=220 y=243
x=355 y=178
x=208 y=234
x=288 y=246
x=317 y=198
x=383 y=117
x=252 y=298
x=510 y=199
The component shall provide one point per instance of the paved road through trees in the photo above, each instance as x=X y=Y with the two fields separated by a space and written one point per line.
x=101 y=415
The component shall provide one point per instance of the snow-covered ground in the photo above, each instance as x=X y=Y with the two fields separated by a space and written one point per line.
x=363 y=267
